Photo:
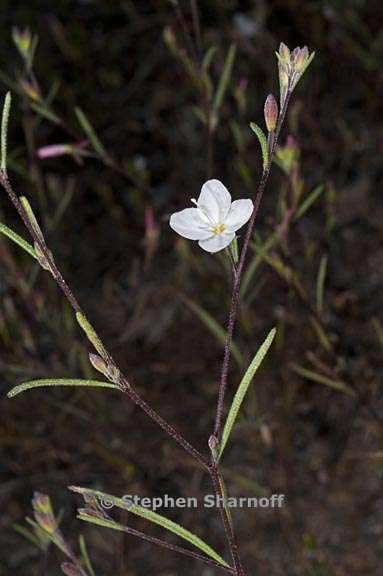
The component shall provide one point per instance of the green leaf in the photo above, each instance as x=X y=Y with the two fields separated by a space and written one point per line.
x=256 y=261
x=44 y=111
x=90 y=133
x=27 y=534
x=243 y=388
x=154 y=518
x=263 y=143
x=85 y=556
x=4 y=130
x=59 y=382
x=208 y=58
x=91 y=334
x=315 y=377
x=225 y=78
x=104 y=522
x=18 y=240
x=31 y=216
x=234 y=250
x=320 y=283
x=215 y=328
x=308 y=201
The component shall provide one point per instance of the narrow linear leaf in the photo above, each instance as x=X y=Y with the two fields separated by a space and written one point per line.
x=154 y=518
x=90 y=133
x=315 y=377
x=225 y=78
x=85 y=555
x=105 y=523
x=59 y=382
x=28 y=534
x=91 y=334
x=377 y=325
x=256 y=261
x=45 y=112
x=320 y=283
x=262 y=141
x=31 y=216
x=18 y=240
x=243 y=388
x=307 y=202
x=208 y=58
x=215 y=328
x=4 y=130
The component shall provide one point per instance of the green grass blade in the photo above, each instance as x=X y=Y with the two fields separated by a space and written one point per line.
x=215 y=328
x=45 y=112
x=154 y=518
x=307 y=202
x=90 y=133
x=320 y=283
x=320 y=379
x=59 y=382
x=262 y=141
x=225 y=78
x=85 y=555
x=255 y=262
x=243 y=388
x=18 y=240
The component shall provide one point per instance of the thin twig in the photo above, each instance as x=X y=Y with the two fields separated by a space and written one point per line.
x=237 y=277
x=174 y=548
x=107 y=357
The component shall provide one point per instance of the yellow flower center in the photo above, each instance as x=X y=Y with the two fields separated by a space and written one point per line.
x=219 y=229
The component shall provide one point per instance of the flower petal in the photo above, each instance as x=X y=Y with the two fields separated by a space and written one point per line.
x=189 y=224
x=217 y=242
x=215 y=200
x=240 y=213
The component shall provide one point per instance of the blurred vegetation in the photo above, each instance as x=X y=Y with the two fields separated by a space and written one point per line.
x=167 y=108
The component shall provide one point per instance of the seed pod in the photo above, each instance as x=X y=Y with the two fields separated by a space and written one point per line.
x=271 y=113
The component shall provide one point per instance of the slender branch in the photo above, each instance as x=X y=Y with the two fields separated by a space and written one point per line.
x=238 y=275
x=174 y=548
x=226 y=520
x=107 y=357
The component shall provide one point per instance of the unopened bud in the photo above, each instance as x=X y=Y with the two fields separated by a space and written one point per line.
x=31 y=91
x=22 y=40
x=70 y=569
x=45 y=521
x=112 y=373
x=41 y=258
x=301 y=59
x=271 y=113
x=41 y=503
x=284 y=53
x=214 y=445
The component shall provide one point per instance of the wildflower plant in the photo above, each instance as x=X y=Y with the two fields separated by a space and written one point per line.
x=213 y=222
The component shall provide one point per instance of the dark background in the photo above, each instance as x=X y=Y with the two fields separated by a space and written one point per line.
x=319 y=446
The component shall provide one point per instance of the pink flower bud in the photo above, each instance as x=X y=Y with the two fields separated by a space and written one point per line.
x=70 y=569
x=271 y=113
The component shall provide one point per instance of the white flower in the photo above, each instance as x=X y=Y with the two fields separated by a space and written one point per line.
x=215 y=219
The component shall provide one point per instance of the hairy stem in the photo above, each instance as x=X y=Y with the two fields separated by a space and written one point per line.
x=235 y=295
x=107 y=357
